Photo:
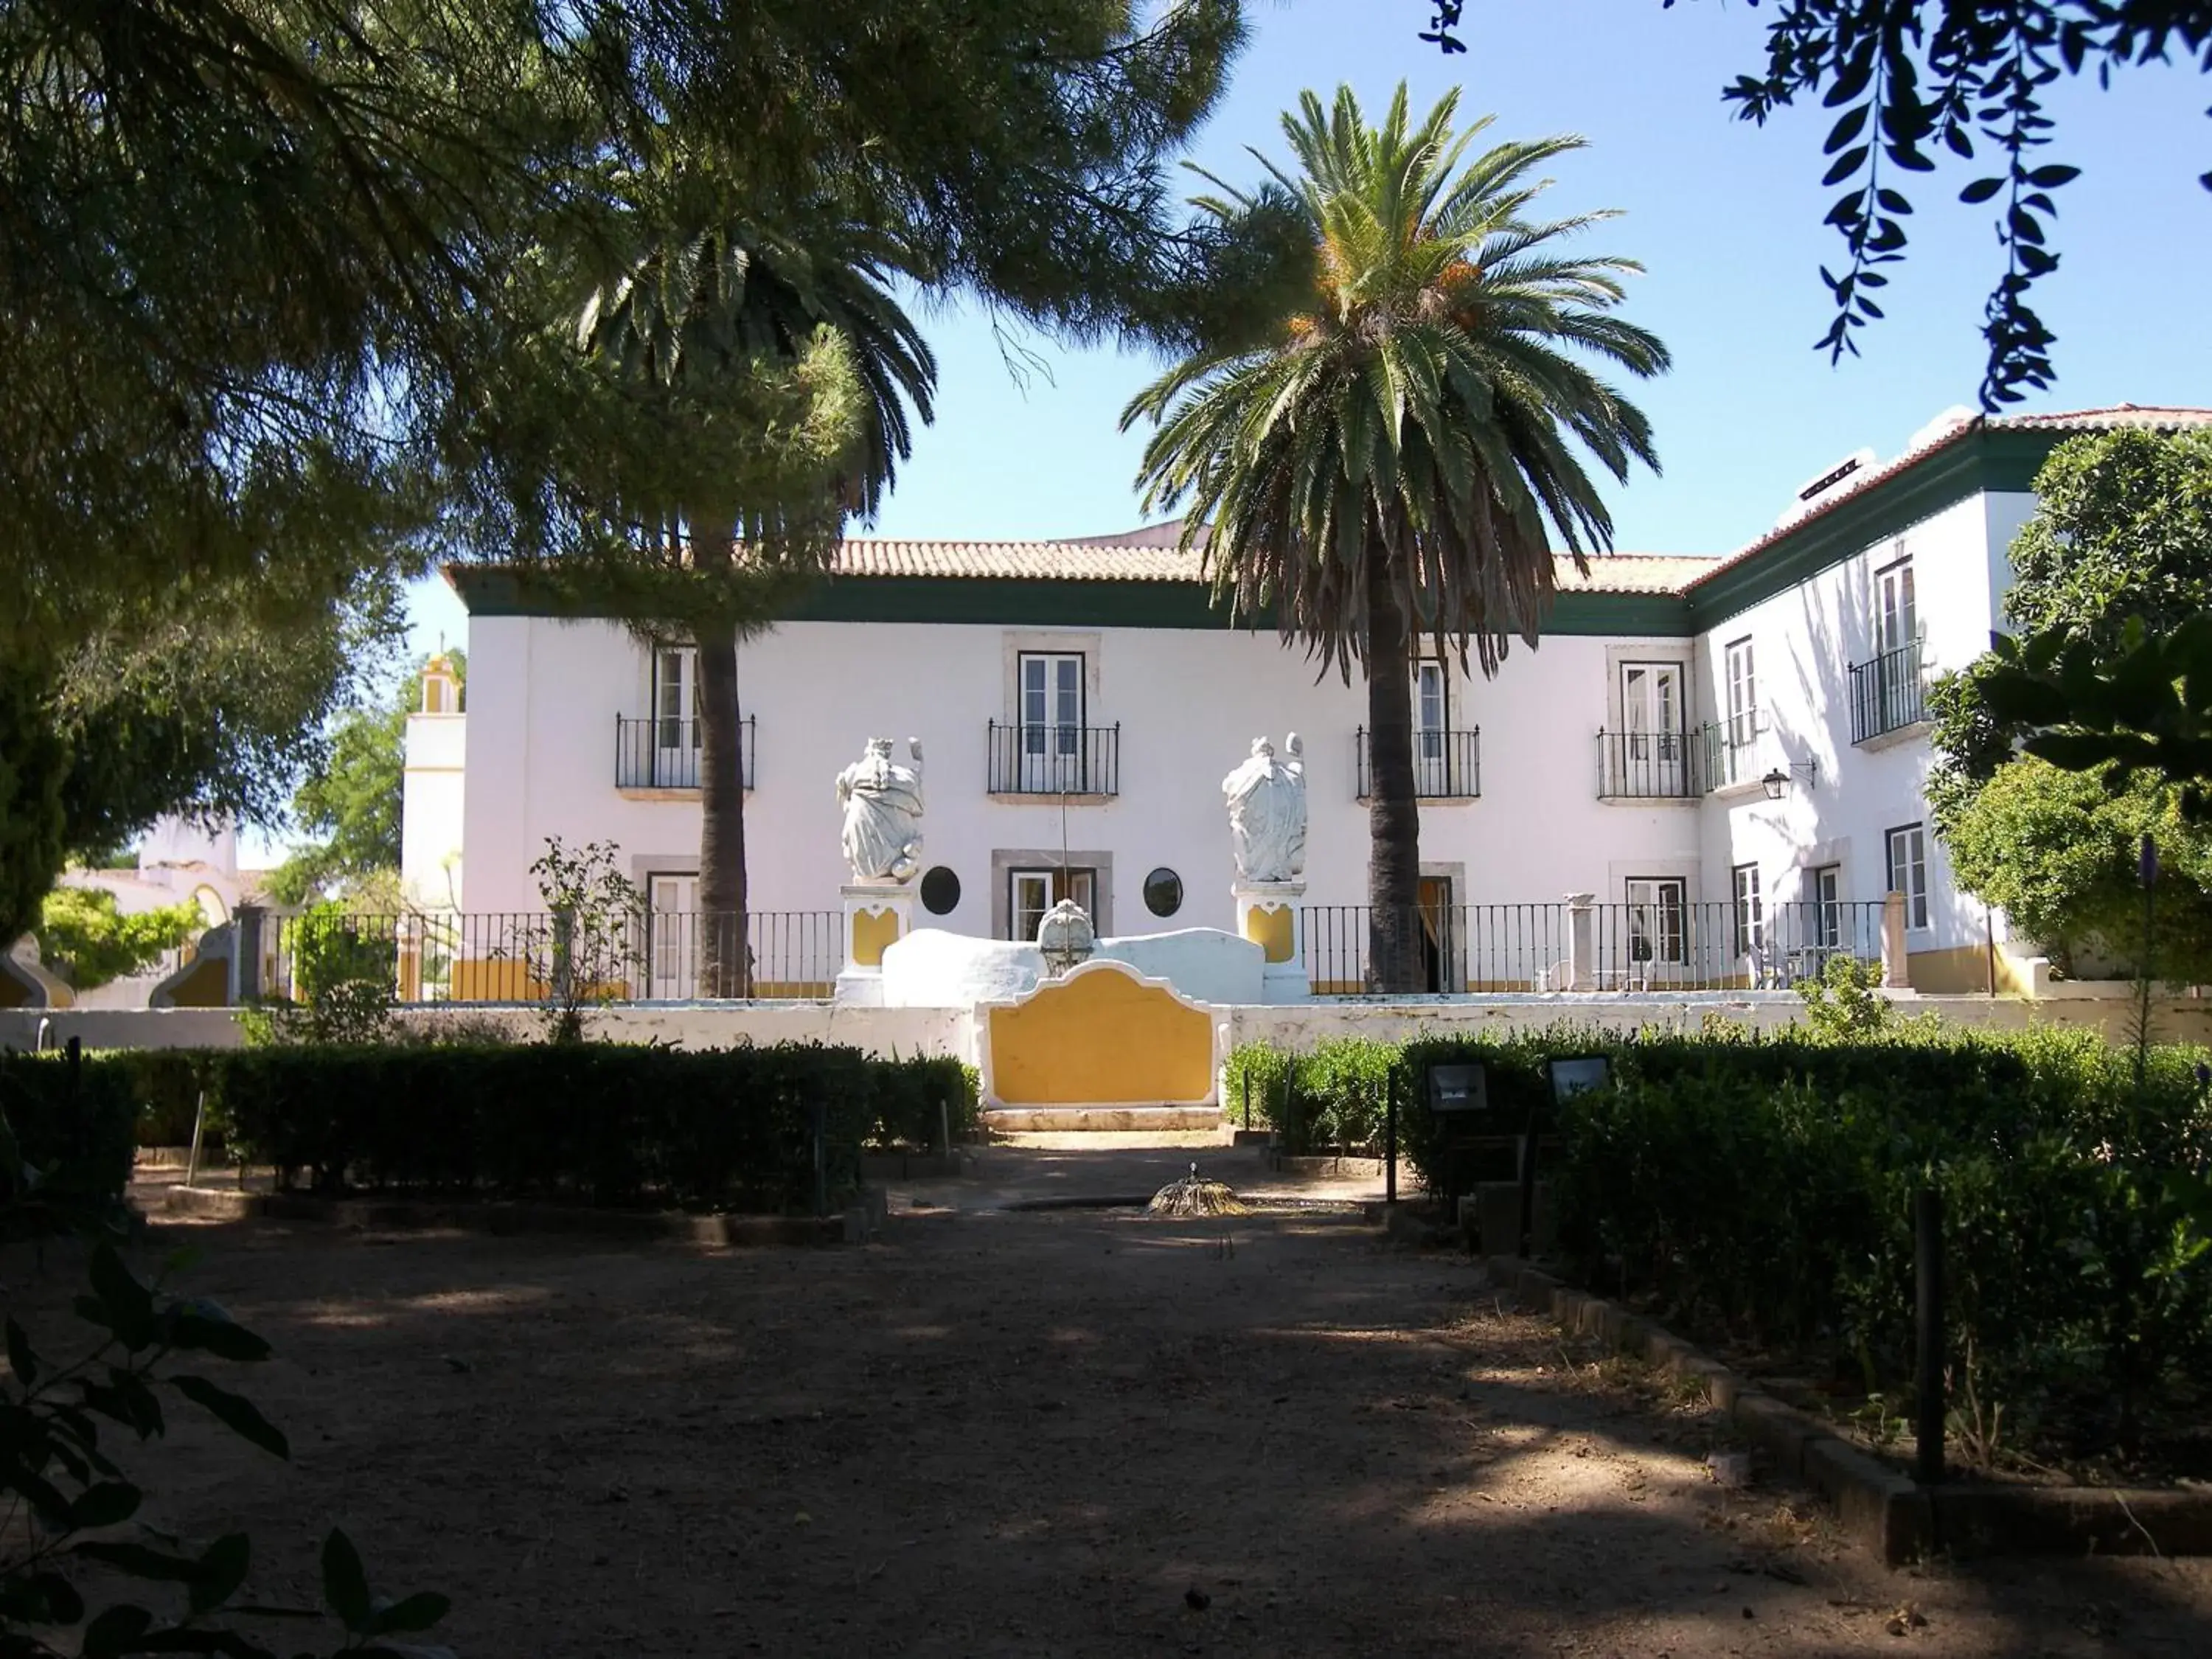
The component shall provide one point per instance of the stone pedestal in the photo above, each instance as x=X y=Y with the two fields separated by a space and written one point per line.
x=1581 y=943
x=878 y=914
x=1267 y=914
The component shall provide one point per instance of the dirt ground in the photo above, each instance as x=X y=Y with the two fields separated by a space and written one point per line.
x=1052 y=1433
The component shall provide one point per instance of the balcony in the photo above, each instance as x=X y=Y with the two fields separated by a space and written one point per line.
x=654 y=755
x=1447 y=765
x=1655 y=765
x=1889 y=694
x=1054 y=762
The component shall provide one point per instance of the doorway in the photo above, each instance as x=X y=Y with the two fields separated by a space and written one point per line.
x=1030 y=893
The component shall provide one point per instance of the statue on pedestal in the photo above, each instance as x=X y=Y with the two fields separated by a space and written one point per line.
x=1268 y=812
x=882 y=804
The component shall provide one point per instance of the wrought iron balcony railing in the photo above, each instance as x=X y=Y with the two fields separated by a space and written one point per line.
x=1447 y=765
x=1054 y=760
x=656 y=754
x=1888 y=693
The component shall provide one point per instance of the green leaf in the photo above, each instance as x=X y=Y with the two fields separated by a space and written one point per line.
x=107 y=1504
x=223 y=1570
x=115 y=1632
x=237 y=1413
x=203 y=1327
x=20 y=1360
x=129 y=1305
x=140 y=1561
x=345 y=1582
x=418 y=1612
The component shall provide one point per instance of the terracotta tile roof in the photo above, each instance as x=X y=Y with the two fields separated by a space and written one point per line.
x=1123 y=560
x=2116 y=415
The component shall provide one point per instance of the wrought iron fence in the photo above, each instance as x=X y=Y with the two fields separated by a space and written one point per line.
x=1054 y=760
x=656 y=754
x=513 y=957
x=1663 y=944
x=1464 y=947
x=1888 y=693
x=1447 y=765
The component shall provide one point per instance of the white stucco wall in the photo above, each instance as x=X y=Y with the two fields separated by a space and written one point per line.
x=434 y=810
x=544 y=696
x=1804 y=642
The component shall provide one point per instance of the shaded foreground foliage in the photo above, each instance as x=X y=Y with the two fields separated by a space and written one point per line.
x=80 y=1573
x=1760 y=1187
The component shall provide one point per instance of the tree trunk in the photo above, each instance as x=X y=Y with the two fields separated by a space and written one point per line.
x=725 y=961
x=1394 y=818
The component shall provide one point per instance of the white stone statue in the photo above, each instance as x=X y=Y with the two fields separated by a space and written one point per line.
x=1267 y=811
x=882 y=804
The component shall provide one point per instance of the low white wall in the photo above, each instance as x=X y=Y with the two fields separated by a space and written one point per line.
x=1300 y=1025
x=123 y=1028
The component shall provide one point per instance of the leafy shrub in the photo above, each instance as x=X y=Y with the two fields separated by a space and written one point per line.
x=596 y=1123
x=73 y=1117
x=919 y=1101
x=1257 y=1074
x=1763 y=1186
x=1343 y=1091
x=71 y=1505
x=86 y=938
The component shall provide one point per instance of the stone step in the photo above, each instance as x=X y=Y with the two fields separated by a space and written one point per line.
x=1062 y=1119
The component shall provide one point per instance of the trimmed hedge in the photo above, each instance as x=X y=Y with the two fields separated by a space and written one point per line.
x=604 y=1124
x=1761 y=1187
x=75 y=1126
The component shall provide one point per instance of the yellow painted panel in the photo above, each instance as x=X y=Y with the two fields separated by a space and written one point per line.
x=1962 y=969
x=1274 y=929
x=873 y=933
x=207 y=985
x=503 y=980
x=1101 y=1038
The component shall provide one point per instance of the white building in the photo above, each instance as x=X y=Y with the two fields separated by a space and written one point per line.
x=1725 y=754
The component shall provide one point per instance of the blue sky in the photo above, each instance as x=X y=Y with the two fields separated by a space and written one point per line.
x=1726 y=217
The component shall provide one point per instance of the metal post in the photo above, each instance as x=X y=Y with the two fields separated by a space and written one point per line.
x=1524 y=1237
x=1928 y=1272
x=192 y=1158
x=1390 y=1139
x=1247 y=1099
x=821 y=1158
x=945 y=1125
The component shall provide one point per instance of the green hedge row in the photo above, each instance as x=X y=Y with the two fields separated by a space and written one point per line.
x=1762 y=1188
x=597 y=1123
x=75 y=1124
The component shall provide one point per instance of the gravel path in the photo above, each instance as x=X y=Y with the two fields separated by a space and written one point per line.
x=1063 y=1432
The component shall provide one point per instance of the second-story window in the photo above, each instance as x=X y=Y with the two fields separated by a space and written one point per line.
x=1052 y=747
x=1743 y=695
x=676 y=713
x=1431 y=716
x=1897 y=615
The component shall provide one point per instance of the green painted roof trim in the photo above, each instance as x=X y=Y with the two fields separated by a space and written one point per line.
x=2005 y=459
x=1044 y=602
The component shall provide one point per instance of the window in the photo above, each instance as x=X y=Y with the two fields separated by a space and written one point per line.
x=1827 y=884
x=940 y=891
x=1897 y=620
x=676 y=700
x=1431 y=719
x=1657 y=908
x=1742 y=696
x=1030 y=893
x=1908 y=872
x=1051 y=720
x=1164 y=892
x=1650 y=758
x=1750 y=913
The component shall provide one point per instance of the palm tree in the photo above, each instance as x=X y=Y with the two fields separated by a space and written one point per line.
x=1385 y=456
x=710 y=309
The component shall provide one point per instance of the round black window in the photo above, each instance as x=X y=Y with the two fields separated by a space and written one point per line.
x=940 y=891
x=1164 y=892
